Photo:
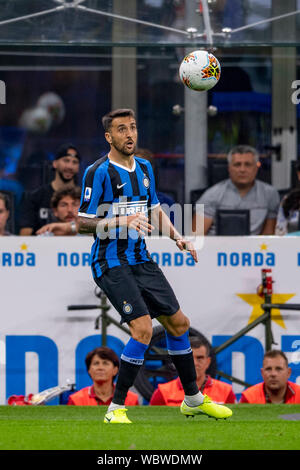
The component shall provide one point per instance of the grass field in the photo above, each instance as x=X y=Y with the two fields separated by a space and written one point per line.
x=258 y=427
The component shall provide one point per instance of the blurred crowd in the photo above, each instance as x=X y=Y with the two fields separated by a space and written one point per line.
x=225 y=203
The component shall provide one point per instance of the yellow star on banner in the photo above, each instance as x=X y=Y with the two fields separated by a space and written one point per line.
x=263 y=246
x=256 y=300
x=24 y=246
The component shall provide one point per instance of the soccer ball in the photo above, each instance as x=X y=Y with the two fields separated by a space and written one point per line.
x=200 y=71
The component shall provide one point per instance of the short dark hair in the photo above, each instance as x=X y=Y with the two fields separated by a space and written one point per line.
x=74 y=193
x=5 y=199
x=62 y=151
x=196 y=342
x=104 y=353
x=275 y=353
x=109 y=117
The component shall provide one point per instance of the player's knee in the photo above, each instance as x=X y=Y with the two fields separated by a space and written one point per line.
x=183 y=326
x=143 y=336
x=141 y=329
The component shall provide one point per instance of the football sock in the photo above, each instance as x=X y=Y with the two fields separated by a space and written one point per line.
x=194 y=400
x=181 y=354
x=132 y=359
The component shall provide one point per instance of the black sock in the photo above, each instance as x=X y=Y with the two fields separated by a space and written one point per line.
x=185 y=366
x=131 y=361
x=126 y=378
x=180 y=351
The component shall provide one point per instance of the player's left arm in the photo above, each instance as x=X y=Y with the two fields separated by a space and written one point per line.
x=161 y=221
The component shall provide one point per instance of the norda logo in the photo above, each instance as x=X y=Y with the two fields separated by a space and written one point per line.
x=246 y=259
x=17 y=259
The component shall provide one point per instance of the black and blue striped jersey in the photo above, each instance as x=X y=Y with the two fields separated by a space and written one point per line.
x=110 y=190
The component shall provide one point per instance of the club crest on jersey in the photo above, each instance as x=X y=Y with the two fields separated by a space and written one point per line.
x=87 y=194
x=146 y=181
x=127 y=308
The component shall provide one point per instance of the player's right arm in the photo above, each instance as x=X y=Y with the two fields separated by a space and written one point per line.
x=137 y=222
x=96 y=225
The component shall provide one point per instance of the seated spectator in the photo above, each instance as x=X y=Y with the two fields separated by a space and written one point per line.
x=65 y=204
x=102 y=365
x=289 y=214
x=36 y=210
x=275 y=388
x=4 y=214
x=172 y=393
x=242 y=191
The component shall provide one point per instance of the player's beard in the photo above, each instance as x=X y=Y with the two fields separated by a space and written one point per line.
x=122 y=148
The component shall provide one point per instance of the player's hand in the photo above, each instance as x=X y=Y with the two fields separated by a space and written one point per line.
x=185 y=245
x=140 y=223
x=56 y=228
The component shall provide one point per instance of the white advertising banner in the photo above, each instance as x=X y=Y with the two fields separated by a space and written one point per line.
x=43 y=344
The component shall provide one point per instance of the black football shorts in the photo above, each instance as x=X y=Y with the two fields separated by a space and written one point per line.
x=138 y=290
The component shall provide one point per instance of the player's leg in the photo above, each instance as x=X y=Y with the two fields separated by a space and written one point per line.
x=177 y=337
x=179 y=348
x=132 y=358
x=163 y=305
x=120 y=287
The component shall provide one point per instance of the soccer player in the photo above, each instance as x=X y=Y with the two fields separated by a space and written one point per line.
x=118 y=203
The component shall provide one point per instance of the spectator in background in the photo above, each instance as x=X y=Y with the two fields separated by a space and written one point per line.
x=36 y=210
x=4 y=214
x=102 y=365
x=242 y=191
x=275 y=388
x=288 y=217
x=65 y=204
x=172 y=393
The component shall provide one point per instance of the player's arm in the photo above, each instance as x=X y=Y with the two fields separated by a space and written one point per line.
x=137 y=222
x=92 y=225
x=161 y=221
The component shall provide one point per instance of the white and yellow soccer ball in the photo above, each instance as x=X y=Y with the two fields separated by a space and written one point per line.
x=200 y=70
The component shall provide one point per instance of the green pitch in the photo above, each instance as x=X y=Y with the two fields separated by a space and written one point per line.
x=154 y=428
